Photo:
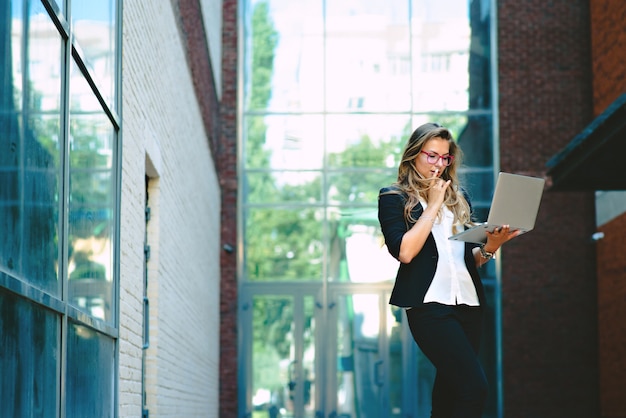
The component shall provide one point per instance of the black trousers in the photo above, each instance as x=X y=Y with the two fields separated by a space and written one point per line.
x=449 y=336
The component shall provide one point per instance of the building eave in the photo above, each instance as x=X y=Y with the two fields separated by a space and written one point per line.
x=596 y=158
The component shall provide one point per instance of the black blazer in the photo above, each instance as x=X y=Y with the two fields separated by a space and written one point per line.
x=414 y=279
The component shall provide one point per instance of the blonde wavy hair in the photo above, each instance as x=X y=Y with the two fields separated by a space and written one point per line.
x=415 y=186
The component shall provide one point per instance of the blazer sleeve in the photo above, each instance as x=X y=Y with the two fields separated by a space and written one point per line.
x=391 y=217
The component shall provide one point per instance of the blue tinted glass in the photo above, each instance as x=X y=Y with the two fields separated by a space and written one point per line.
x=91 y=215
x=28 y=359
x=90 y=373
x=29 y=146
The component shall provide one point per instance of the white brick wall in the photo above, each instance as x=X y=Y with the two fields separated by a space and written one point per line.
x=162 y=125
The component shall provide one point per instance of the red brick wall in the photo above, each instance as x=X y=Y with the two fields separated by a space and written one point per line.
x=220 y=122
x=197 y=53
x=611 y=252
x=227 y=167
x=549 y=304
x=608 y=36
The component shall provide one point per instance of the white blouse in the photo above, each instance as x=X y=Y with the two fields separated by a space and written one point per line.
x=452 y=284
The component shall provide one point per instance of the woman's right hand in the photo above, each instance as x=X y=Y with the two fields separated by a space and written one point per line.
x=437 y=191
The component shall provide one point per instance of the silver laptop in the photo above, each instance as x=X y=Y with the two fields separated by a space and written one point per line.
x=515 y=202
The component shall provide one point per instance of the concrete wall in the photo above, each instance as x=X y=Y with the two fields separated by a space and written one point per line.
x=164 y=137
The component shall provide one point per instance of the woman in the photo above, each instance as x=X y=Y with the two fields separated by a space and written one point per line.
x=438 y=281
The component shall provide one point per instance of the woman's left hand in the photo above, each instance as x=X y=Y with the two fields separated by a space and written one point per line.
x=499 y=236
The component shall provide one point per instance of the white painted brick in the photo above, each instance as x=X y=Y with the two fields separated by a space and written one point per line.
x=161 y=119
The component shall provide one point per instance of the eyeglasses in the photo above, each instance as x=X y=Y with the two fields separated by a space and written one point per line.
x=433 y=158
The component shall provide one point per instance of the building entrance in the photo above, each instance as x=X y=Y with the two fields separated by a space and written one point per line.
x=328 y=351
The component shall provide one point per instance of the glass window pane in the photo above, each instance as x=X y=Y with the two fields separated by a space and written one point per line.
x=480 y=55
x=368 y=56
x=358 y=253
x=479 y=185
x=41 y=207
x=283 y=244
x=272 y=354
x=284 y=62
x=441 y=50
x=359 y=365
x=371 y=141
x=358 y=186
x=29 y=161
x=282 y=187
x=90 y=215
x=12 y=68
x=45 y=56
x=398 y=363
x=94 y=24
x=476 y=141
x=42 y=149
x=294 y=142
x=455 y=122
x=90 y=373
x=283 y=371
x=28 y=363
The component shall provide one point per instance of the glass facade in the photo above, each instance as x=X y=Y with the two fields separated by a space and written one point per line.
x=59 y=135
x=331 y=92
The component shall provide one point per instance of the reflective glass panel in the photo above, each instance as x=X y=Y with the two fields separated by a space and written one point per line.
x=43 y=69
x=94 y=25
x=91 y=207
x=283 y=244
x=90 y=373
x=479 y=184
x=29 y=139
x=324 y=125
x=398 y=370
x=357 y=250
x=283 y=368
x=441 y=50
x=360 y=364
x=475 y=140
x=357 y=186
x=368 y=56
x=41 y=210
x=366 y=141
x=282 y=186
x=284 y=60
x=291 y=142
x=29 y=353
x=12 y=69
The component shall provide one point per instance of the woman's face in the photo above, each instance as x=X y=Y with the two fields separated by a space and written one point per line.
x=433 y=148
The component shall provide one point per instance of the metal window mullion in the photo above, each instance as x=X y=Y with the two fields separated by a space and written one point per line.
x=64 y=149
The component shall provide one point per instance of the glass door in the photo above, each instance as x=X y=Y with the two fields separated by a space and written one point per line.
x=371 y=357
x=347 y=355
x=278 y=349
